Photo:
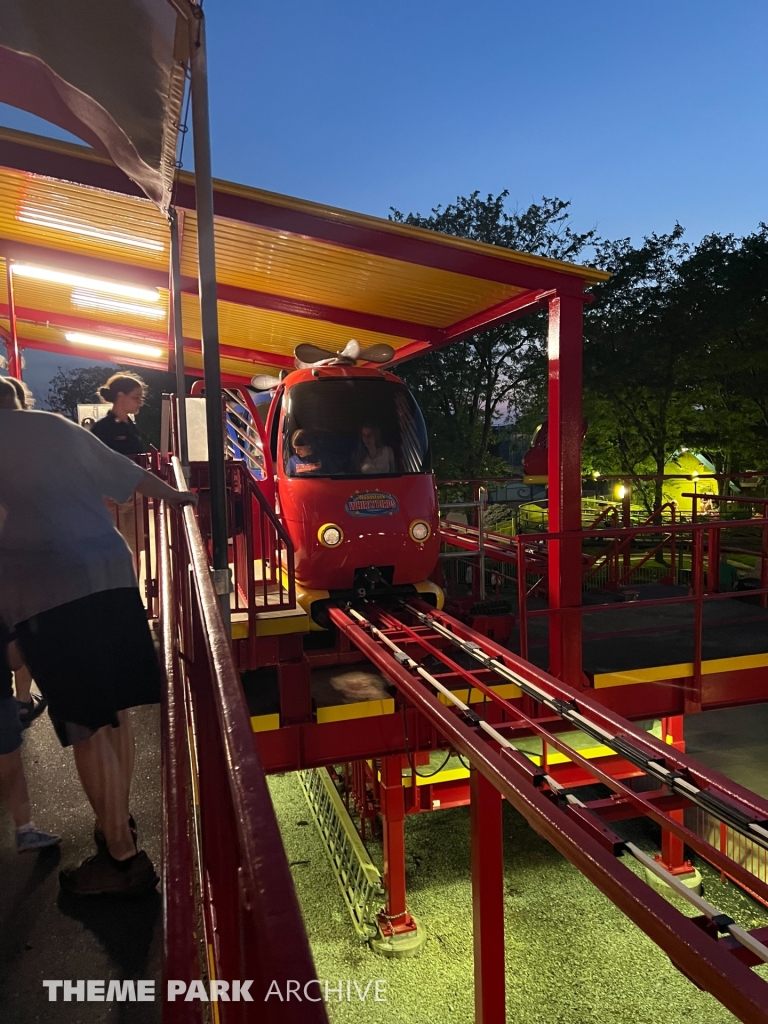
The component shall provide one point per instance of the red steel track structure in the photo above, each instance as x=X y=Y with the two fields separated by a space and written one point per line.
x=401 y=645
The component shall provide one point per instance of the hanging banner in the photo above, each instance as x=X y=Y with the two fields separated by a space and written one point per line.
x=110 y=72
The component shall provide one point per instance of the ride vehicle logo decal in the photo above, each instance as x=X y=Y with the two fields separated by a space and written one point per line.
x=372 y=503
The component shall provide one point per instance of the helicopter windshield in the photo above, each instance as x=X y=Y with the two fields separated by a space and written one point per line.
x=353 y=426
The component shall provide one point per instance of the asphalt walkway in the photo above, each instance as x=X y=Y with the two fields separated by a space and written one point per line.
x=45 y=934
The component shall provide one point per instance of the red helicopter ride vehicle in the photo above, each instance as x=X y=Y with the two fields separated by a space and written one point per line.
x=353 y=476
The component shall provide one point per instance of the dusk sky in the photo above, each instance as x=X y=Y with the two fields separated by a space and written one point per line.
x=641 y=115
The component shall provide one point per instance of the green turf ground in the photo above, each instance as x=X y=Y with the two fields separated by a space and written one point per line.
x=572 y=957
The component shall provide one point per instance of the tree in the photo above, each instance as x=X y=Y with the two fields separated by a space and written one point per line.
x=676 y=355
x=466 y=388
x=70 y=388
x=726 y=280
x=640 y=360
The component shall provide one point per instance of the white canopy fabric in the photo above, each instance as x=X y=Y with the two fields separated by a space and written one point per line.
x=109 y=71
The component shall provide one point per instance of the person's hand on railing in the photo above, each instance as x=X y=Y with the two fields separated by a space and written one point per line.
x=180 y=498
x=153 y=487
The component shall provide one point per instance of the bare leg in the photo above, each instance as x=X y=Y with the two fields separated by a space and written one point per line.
x=22 y=681
x=13 y=787
x=106 y=787
x=21 y=675
x=123 y=743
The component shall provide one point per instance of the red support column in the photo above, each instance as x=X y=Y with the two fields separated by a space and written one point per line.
x=400 y=934
x=487 y=900
x=672 y=848
x=564 y=486
x=672 y=732
x=713 y=561
x=14 y=355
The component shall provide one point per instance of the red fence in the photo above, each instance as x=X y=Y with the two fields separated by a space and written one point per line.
x=262 y=549
x=230 y=906
x=705 y=538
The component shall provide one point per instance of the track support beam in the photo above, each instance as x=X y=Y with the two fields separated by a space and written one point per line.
x=487 y=900
x=400 y=933
x=564 y=486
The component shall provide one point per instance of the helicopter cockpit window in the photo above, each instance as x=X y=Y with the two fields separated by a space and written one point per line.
x=353 y=427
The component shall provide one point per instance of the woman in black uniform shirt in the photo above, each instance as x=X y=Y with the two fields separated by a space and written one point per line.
x=118 y=432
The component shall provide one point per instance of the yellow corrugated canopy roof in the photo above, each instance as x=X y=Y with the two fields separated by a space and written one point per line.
x=288 y=270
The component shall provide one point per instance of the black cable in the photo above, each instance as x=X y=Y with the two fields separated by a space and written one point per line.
x=410 y=759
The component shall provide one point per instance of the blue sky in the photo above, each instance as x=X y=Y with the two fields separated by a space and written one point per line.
x=640 y=114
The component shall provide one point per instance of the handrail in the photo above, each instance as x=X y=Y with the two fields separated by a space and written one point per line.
x=619 y=545
x=726 y=497
x=264 y=931
x=644 y=477
x=179 y=947
x=710 y=524
x=703 y=591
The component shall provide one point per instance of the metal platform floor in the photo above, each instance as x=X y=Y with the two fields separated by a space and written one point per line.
x=635 y=637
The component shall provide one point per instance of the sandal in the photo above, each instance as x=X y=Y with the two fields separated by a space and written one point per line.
x=31 y=709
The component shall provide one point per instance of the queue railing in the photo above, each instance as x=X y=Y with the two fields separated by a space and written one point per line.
x=263 y=552
x=703 y=537
x=231 y=912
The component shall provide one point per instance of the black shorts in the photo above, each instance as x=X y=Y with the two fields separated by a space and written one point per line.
x=92 y=658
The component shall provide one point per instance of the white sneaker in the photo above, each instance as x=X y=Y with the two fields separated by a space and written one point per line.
x=35 y=839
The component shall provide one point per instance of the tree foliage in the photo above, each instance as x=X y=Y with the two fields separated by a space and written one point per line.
x=640 y=394
x=675 y=348
x=466 y=388
x=70 y=388
x=676 y=354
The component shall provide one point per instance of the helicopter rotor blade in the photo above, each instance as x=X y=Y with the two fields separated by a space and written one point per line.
x=377 y=353
x=351 y=350
x=306 y=353
x=264 y=382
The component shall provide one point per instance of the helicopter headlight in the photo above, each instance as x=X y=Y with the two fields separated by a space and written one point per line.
x=419 y=530
x=330 y=535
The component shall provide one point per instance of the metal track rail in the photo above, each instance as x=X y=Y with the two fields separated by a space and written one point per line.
x=580 y=712
x=740 y=816
x=398 y=650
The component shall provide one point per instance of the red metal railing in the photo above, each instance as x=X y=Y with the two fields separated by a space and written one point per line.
x=230 y=906
x=704 y=575
x=261 y=548
x=617 y=554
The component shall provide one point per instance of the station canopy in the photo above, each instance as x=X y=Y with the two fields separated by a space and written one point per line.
x=90 y=257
